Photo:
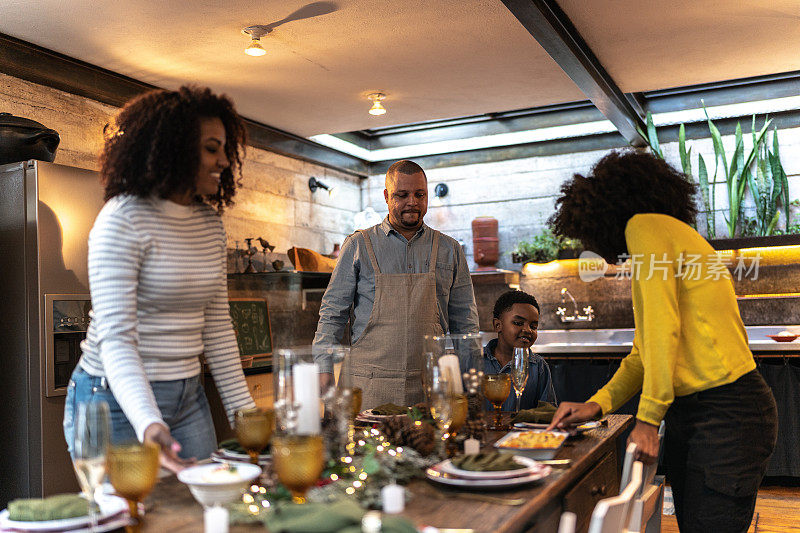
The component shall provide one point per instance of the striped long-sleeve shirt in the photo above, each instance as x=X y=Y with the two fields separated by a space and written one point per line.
x=159 y=300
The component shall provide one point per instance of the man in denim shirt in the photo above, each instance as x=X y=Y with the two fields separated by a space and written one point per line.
x=516 y=320
x=403 y=280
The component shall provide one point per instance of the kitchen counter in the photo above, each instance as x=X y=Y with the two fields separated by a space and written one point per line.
x=584 y=341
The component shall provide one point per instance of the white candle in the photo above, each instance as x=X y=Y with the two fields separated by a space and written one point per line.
x=450 y=368
x=472 y=446
x=215 y=519
x=393 y=498
x=306 y=394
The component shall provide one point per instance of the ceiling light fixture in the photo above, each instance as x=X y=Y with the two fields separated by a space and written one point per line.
x=377 y=108
x=256 y=33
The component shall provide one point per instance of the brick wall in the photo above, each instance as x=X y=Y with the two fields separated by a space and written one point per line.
x=521 y=193
x=274 y=201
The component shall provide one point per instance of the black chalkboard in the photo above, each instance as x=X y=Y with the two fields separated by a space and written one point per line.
x=250 y=318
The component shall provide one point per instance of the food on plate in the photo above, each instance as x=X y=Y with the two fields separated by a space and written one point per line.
x=224 y=473
x=487 y=462
x=58 y=507
x=786 y=333
x=389 y=409
x=534 y=440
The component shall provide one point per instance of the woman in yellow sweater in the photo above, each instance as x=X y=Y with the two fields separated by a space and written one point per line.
x=690 y=356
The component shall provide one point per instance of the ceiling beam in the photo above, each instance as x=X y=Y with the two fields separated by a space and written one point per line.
x=554 y=31
x=33 y=63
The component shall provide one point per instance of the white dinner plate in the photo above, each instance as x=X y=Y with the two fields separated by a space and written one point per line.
x=109 y=506
x=435 y=474
x=218 y=457
x=368 y=416
x=531 y=467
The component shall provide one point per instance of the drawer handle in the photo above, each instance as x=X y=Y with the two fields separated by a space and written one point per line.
x=598 y=491
x=257 y=387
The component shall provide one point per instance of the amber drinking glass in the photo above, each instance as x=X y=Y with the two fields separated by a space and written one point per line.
x=496 y=388
x=460 y=409
x=132 y=470
x=356 y=405
x=298 y=461
x=254 y=429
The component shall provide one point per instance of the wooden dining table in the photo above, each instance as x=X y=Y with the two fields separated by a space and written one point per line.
x=592 y=474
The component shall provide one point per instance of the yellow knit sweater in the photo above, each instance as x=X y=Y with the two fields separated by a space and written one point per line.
x=689 y=335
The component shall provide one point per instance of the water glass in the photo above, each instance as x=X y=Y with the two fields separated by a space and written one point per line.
x=496 y=388
x=133 y=470
x=298 y=460
x=253 y=430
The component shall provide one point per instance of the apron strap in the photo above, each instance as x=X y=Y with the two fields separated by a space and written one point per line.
x=370 y=251
x=434 y=251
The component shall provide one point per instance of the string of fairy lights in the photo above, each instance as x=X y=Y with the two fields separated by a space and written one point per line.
x=366 y=451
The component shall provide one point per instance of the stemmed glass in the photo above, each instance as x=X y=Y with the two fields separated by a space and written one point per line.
x=132 y=470
x=519 y=372
x=253 y=430
x=496 y=388
x=298 y=461
x=441 y=403
x=89 y=451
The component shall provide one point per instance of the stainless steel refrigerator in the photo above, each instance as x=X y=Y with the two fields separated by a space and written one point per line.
x=46 y=212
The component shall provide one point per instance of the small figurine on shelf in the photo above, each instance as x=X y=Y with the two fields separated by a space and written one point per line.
x=250 y=252
x=277 y=265
x=264 y=247
x=236 y=254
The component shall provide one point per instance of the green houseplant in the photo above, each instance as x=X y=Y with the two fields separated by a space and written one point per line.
x=543 y=247
x=760 y=171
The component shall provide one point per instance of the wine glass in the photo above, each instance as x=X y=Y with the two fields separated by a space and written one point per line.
x=89 y=451
x=496 y=388
x=441 y=403
x=298 y=460
x=132 y=470
x=519 y=372
x=254 y=429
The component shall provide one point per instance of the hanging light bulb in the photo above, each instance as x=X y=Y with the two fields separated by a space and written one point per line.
x=256 y=33
x=255 y=49
x=377 y=108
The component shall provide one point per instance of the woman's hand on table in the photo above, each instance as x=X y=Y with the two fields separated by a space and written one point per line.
x=645 y=437
x=159 y=434
x=571 y=413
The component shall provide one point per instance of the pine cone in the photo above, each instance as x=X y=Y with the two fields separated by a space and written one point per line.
x=474 y=428
x=402 y=431
x=393 y=427
x=474 y=405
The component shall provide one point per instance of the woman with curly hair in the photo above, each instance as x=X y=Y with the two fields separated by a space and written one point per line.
x=690 y=356
x=157 y=258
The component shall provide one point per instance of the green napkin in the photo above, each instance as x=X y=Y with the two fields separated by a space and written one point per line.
x=343 y=516
x=487 y=462
x=389 y=409
x=232 y=445
x=541 y=414
x=56 y=507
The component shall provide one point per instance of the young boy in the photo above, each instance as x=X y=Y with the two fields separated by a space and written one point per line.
x=516 y=319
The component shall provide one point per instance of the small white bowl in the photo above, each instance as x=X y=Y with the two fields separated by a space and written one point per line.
x=210 y=493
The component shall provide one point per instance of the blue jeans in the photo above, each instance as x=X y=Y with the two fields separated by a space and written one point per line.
x=182 y=403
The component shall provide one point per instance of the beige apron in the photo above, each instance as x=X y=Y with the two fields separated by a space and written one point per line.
x=387 y=358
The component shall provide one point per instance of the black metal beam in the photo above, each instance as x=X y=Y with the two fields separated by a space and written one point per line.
x=551 y=27
x=33 y=63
